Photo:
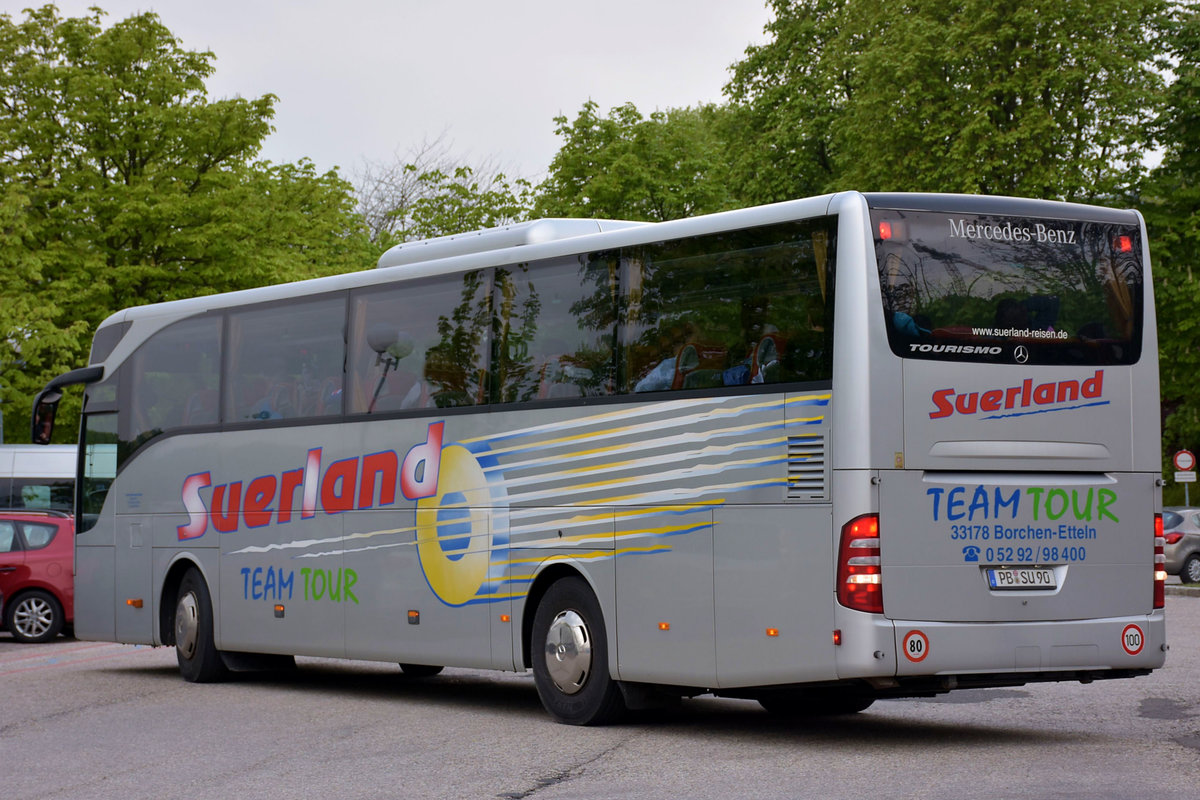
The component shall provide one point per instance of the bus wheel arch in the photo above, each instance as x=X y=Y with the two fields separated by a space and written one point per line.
x=168 y=599
x=545 y=579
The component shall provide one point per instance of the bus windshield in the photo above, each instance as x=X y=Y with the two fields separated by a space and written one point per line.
x=986 y=287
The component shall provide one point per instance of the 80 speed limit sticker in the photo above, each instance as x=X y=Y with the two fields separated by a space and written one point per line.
x=915 y=646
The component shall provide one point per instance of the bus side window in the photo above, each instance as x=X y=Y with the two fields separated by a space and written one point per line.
x=555 y=324
x=741 y=308
x=419 y=345
x=168 y=372
x=286 y=360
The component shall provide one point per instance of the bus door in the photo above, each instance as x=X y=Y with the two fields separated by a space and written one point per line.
x=136 y=605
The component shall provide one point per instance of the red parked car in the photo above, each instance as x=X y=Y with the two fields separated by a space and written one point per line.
x=37 y=583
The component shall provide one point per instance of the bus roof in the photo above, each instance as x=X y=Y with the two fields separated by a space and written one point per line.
x=515 y=235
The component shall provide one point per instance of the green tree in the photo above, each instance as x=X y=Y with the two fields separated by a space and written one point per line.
x=458 y=201
x=124 y=184
x=785 y=97
x=627 y=166
x=1051 y=99
x=1171 y=204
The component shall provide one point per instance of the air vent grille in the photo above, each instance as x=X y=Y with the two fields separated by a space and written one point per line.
x=807 y=477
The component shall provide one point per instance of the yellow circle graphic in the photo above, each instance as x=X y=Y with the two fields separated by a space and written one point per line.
x=453 y=536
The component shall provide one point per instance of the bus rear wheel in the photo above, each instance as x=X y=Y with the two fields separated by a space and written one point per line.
x=199 y=659
x=570 y=656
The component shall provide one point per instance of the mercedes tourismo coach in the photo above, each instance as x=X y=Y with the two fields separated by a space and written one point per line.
x=812 y=453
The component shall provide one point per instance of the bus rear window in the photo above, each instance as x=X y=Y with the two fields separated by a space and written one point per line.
x=986 y=287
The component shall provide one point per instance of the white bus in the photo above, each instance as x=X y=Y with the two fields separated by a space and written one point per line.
x=40 y=478
x=816 y=453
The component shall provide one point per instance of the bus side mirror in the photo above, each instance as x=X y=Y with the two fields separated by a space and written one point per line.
x=44 y=409
x=45 y=406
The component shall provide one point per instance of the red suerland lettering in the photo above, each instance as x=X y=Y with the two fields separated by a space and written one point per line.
x=345 y=484
x=947 y=402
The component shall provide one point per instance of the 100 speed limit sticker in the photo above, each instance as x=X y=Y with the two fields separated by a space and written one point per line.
x=1132 y=639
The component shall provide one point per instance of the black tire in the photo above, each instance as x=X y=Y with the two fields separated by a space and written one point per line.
x=1191 y=569
x=35 y=616
x=199 y=659
x=420 y=670
x=815 y=702
x=570 y=656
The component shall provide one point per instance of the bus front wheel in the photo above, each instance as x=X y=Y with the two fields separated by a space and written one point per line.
x=199 y=659
x=570 y=656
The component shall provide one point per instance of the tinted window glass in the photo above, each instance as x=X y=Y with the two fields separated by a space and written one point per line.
x=106 y=340
x=43 y=493
x=978 y=287
x=420 y=345
x=1171 y=520
x=8 y=537
x=285 y=361
x=733 y=309
x=173 y=379
x=37 y=534
x=102 y=451
x=555 y=329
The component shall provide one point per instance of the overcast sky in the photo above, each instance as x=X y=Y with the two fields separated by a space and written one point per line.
x=367 y=79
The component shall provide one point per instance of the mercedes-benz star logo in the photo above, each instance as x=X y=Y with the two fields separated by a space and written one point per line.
x=1021 y=353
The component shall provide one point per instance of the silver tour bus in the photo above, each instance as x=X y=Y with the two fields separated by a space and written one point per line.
x=815 y=453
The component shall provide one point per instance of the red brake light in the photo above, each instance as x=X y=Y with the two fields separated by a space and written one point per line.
x=1124 y=243
x=860 y=579
x=885 y=230
x=1160 y=560
x=1173 y=537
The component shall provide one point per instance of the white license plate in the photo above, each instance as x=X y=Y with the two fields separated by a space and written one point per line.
x=1021 y=578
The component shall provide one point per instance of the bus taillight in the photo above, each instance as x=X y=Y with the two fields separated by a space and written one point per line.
x=1160 y=562
x=859 y=578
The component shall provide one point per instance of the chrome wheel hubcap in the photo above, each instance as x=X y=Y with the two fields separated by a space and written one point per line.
x=569 y=652
x=187 y=625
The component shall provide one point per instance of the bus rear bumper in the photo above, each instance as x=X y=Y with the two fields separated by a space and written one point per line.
x=1024 y=651
x=1089 y=646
